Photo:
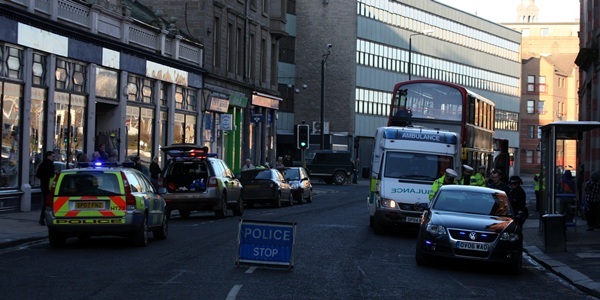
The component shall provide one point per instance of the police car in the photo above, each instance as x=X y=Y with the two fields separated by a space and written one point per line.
x=104 y=199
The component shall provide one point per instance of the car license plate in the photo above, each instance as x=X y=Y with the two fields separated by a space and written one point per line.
x=472 y=246
x=413 y=220
x=89 y=205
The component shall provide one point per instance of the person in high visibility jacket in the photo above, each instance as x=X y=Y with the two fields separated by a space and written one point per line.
x=448 y=178
x=478 y=179
x=466 y=175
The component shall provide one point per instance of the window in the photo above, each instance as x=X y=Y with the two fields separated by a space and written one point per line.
x=545 y=31
x=530 y=131
x=107 y=83
x=531 y=83
x=541 y=109
x=542 y=84
x=529 y=156
x=530 y=106
x=217 y=43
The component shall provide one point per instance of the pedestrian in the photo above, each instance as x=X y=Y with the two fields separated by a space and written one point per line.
x=114 y=156
x=466 y=175
x=478 y=179
x=81 y=158
x=45 y=173
x=155 y=171
x=356 y=164
x=287 y=161
x=279 y=163
x=591 y=199
x=518 y=198
x=536 y=189
x=139 y=166
x=567 y=183
x=497 y=182
x=449 y=177
x=102 y=152
x=248 y=165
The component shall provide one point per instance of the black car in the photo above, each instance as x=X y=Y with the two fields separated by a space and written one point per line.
x=300 y=183
x=470 y=223
x=265 y=186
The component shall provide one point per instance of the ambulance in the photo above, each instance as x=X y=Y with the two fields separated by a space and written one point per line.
x=405 y=162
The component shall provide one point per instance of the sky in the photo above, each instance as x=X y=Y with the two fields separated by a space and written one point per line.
x=504 y=11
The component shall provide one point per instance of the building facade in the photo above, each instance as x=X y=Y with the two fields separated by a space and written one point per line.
x=589 y=87
x=369 y=53
x=76 y=74
x=240 y=39
x=549 y=80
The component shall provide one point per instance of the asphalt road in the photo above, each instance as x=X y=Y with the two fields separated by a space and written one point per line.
x=336 y=256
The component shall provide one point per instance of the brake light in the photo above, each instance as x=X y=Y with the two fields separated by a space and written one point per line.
x=129 y=198
x=49 y=201
x=212 y=182
x=171 y=186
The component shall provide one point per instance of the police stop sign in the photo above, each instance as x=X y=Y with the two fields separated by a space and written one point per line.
x=266 y=243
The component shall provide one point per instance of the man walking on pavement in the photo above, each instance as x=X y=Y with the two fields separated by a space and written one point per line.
x=591 y=200
x=45 y=173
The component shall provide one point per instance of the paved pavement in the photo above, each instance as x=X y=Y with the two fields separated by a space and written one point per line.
x=579 y=264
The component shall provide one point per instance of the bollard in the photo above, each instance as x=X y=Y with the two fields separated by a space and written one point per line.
x=555 y=233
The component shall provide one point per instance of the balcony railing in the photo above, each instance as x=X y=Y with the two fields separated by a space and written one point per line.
x=106 y=23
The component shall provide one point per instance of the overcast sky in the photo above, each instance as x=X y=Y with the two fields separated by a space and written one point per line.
x=503 y=11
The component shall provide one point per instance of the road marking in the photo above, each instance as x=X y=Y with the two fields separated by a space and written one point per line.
x=234 y=291
x=250 y=270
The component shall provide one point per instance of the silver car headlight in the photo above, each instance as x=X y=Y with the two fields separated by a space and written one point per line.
x=437 y=230
x=509 y=236
x=387 y=203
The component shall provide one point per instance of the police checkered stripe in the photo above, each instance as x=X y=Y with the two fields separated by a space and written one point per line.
x=117 y=207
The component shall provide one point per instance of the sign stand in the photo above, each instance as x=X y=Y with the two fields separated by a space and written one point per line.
x=266 y=244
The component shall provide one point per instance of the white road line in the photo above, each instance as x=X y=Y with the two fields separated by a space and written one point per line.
x=250 y=270
x=233 y=292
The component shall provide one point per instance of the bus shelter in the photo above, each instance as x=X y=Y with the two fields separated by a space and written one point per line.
x=558 y=209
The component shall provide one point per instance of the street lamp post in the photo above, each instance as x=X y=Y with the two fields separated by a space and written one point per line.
x=323 y=61
x=426 y=31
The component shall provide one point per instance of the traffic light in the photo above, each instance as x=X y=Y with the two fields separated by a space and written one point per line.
x=302 y=137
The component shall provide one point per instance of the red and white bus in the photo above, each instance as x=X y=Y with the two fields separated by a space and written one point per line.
x=447 y=106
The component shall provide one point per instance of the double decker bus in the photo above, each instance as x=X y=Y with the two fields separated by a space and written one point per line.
x=447 y=106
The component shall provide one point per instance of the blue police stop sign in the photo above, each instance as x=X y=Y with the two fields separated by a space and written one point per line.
x=266 y=243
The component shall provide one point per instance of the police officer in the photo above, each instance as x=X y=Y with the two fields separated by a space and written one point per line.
x=478 y=179
x=466 y=175
x=448 y=178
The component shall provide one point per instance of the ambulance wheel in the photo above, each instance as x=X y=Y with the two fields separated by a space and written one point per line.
x=162 y=232
x=56 y=239
x=378 y=227
x=140 y=238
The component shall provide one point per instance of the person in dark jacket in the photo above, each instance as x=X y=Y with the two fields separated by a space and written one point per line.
x=518 y=197
x=155 y=171
x=497 y=182
x=45 y=173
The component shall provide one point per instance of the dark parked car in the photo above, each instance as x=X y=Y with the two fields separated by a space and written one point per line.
x=265 y=186
x=470 y=223
x=331 y=166
x=300 y=183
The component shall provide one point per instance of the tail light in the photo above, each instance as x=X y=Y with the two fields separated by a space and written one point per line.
x=49 y=201
x=172 y=186
x=129 y=198
x=212 y=182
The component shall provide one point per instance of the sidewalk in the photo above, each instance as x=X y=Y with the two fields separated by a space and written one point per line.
x=578 y=265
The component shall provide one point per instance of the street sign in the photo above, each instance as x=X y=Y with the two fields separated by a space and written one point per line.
x=257 y=118
x=266 y=243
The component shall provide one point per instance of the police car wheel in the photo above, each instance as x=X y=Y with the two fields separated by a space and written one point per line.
x=162 y=232
x=56 y=239
x=222 y=212
x=238 y=210
x=140 y=238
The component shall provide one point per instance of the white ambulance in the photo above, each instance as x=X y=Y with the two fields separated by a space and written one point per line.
x=406 y=161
